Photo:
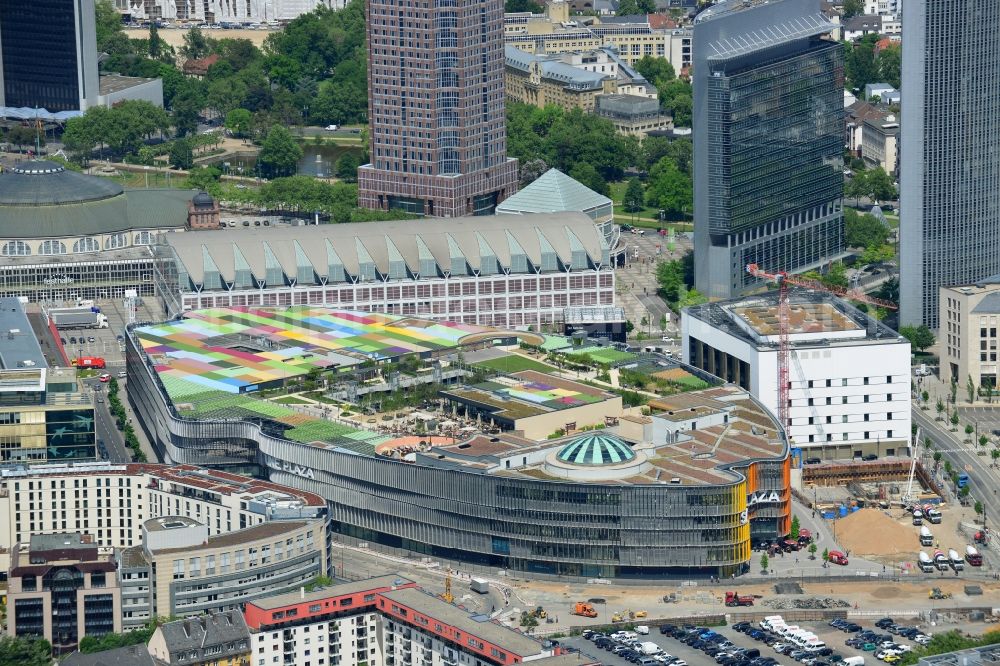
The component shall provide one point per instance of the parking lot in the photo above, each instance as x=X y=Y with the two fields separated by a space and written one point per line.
x=730 y=638
x=104 y=342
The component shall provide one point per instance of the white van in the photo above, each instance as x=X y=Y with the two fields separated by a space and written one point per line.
x=853 y=661
x=769 y=621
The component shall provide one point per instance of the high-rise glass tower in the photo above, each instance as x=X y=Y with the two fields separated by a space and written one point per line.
x=950 y=155
x=438 y=137
x=48 y=56
x=768 y=142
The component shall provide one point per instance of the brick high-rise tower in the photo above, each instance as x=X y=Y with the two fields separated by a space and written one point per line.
x=436 y=118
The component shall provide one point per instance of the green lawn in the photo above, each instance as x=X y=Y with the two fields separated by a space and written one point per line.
x=603 y=355
x=513 y=363
x=291 y=400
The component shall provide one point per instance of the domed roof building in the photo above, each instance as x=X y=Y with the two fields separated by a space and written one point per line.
x=57 y=226
x=596 y=448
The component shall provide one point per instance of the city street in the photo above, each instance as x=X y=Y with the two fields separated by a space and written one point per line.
x=104 y=424
x=637 y=284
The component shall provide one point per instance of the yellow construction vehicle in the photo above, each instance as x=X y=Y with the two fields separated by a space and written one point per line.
x=448 y=596
x=618 y=617
x=640 y=614
x=936 y=593
x=540 y=613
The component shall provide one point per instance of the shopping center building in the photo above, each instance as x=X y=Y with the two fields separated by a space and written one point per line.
x=682 y=490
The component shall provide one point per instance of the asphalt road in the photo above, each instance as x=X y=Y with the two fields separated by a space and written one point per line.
x=984 y=481
x=104 y=424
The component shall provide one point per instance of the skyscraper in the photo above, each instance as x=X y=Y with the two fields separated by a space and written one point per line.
x=436 y=120
x=48 y=56
x=768 y=142
x=950 y=156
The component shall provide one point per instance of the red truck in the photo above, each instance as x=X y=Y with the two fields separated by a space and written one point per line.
x=89 y=362
x=734 y=599
x=837 y=557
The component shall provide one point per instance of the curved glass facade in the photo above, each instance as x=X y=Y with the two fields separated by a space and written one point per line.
x=581 y=529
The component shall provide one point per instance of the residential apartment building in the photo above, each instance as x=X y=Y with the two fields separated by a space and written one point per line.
x=62 y=587
x=968 y=336
x=437 y=126
x=880 y=143
x=856 y=114
x=949 y=175
x=768 y=142
x=48 y=58
x=849 y=375
x=215 y=639
x=181 y=571
x=386 y=621
x=112 y=502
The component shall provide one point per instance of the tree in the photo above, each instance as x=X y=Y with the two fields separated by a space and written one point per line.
x=794 y=533
x=280 y=154
x=878 y=185
x=515 y=6
x=920 y=337
x=953 y=388
x=671 y=279
x=531 y=171
x=812 y=551
x=111 y=38
x=889 y=290
x=983 y=441
x=968 y=431
x=634 y=196
x=860 y=65
x=853 y=8
x=978 y=508
x=995 y=454
x=890 y=65
x=154 y=40
x=954 y=419
x=238 y=122
x=676 y=99
x=925 y=396
x=826 y=554
x=863 y=230
x=970 y=389
x=196 y=44
x=764 y=562
x=657 y=71
x=25 y=651
x=587 y=174
x=669 y=189
x=347 y=167
x=186 y=111
x=181 y=154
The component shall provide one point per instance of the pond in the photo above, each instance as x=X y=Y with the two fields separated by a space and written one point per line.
x=316 y=160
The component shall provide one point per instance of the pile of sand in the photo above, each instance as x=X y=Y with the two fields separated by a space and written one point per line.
x=870 y=532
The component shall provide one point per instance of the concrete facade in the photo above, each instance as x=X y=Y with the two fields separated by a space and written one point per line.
x=849 y=379
x=968 y=335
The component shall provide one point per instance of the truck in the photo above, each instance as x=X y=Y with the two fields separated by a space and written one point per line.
x=70 y=318
x=479 y=585
x=926 y=538
x=973 y=557
x=940 y=560
x=95 y=362
x=584 y=609
x=931 y=514
x=918 y=517
x=734 y=599
x=955 y=560
x=837 y=557
x=925 y=563
x=649 y=647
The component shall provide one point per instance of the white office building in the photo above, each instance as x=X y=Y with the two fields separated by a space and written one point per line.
x=849 y=375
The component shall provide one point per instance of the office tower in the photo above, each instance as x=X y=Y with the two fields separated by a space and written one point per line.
x=768 y=142
x=48 y=57
x=436 y=108
x=950 y=157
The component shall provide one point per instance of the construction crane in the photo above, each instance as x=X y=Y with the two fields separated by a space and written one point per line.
x=784 y=281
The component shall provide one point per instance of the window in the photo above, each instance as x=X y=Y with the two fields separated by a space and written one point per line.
x=86 y=245
x=16 y=249
x=116 y=241
x=810 y=383
x=866 y=381
x=888 y=379
x=52 y=247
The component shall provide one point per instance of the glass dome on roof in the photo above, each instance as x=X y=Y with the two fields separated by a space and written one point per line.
x=596 y=448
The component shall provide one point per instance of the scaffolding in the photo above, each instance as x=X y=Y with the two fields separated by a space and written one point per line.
x=876 y=471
